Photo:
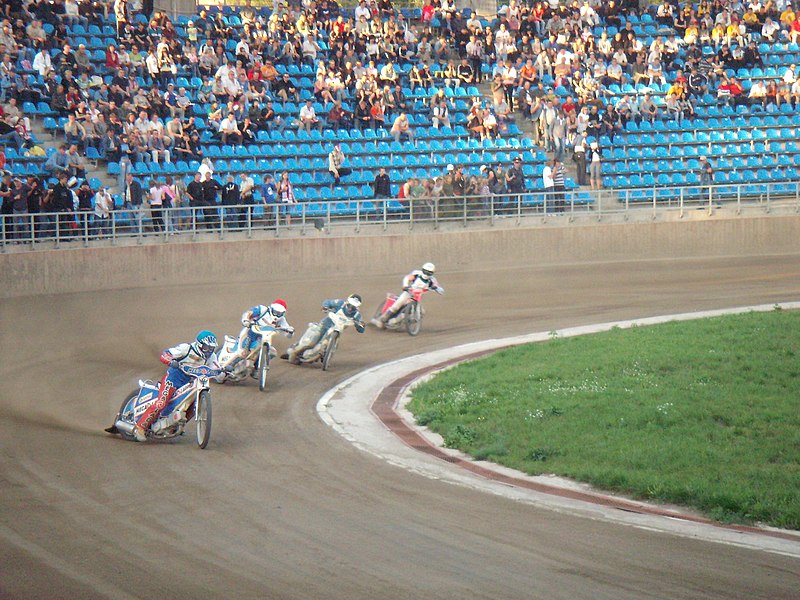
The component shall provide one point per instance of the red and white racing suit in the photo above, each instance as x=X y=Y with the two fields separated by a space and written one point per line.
x=415 y=279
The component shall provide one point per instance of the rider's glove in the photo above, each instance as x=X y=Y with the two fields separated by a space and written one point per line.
x=360 y=327
x=174 y=364
x=289 y=332
x=406 y=289
x=246 y=322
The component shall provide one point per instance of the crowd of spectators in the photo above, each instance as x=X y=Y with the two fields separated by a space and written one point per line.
x=568 y=67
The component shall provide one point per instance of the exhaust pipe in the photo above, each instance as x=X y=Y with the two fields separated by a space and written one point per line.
x=124 y=426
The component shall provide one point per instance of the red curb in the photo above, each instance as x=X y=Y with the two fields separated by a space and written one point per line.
x=384 y=408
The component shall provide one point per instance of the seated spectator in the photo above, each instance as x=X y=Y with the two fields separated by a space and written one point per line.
x=77 y=165
x=58 y=161
x=339 y=118
x=74 y=132
x=157 y=147
x=402 y=128
x=441 y=115
x=336 y=159
x=307 y=118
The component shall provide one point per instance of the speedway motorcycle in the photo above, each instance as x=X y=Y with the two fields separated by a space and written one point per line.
x=410 y=315
x=325 y=348
x=257 y=361
x=191 y=401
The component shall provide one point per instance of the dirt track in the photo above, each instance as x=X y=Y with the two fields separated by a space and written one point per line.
x=279 y=506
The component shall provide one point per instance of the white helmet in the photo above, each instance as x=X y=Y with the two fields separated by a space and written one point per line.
x=354 y=300
x=428 y=269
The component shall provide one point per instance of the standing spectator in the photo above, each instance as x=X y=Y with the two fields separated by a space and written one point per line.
x=133 y=197
x=579 y=158
x=195 y=192
x=515 y=179
x=156 y=205
x=62 y=203
x=269 y=197
x=559 y=173
x=211 y=188
x=103 y=205
x=231 y=198
x=286 y=196
x=706 y=176
x=19 y=208
x=381 y=186
x=595 y=166
x=336 y=159
x=85 y=196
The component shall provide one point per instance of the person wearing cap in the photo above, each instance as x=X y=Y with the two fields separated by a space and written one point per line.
x=515 y=178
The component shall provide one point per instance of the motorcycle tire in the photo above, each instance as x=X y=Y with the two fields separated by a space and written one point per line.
x=125 y=402
x=413 y=318
x=202 y=419
x=263 y=367
x=328 y=356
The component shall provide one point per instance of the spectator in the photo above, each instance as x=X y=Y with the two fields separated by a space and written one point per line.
x=229 y=130
x=77 y=164
x=58 y=162
x=402 y=128
x=103 y=205
x=231 y=198
x=441 y=115
x=381 y=186
x=336 y=159
x=595 y=166
x=286 y=197
x=308 y=118
x=74 y=132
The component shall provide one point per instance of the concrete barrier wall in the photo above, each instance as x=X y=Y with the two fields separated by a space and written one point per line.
x=80 y=269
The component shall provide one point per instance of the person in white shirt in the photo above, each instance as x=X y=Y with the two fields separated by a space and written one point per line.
x=42 y=62
x=156 y=205
x=308 y=118
x=103 y=205
x=229 y=130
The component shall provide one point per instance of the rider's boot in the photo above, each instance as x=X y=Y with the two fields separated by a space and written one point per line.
x=165 y=392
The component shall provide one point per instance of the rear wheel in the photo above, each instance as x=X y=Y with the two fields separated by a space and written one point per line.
x=202 y=418
x=328 y=356
x=129 y=417
x=413 y=318
x=263 y=367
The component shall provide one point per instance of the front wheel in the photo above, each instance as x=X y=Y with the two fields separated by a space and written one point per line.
x=202 y=418
x=413 y=318
x=328 y=356
x=263 y=367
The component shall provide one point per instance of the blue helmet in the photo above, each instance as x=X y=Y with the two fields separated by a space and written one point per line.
x=205 y=343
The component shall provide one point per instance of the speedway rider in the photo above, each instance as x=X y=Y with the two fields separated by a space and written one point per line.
x=347 y=308
x=273 y=315
x=199 y=352
x=416 y=279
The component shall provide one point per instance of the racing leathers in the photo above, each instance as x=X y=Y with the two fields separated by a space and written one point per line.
x=417 y=280
x=339 y=309
x=174 y=379
x=258 y=315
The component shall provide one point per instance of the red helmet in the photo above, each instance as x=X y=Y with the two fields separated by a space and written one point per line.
x=278 y=308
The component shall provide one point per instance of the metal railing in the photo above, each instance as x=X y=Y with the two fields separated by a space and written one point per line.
x=145 y=224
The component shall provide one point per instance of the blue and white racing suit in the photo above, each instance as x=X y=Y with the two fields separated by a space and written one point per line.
x=248 y=340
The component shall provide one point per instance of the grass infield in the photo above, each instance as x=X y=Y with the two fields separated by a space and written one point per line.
x=702 y=413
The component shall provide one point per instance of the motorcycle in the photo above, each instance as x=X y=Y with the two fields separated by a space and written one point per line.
x=257 y=361
x=325 y=348
x=191 y=401
x=410 y=315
